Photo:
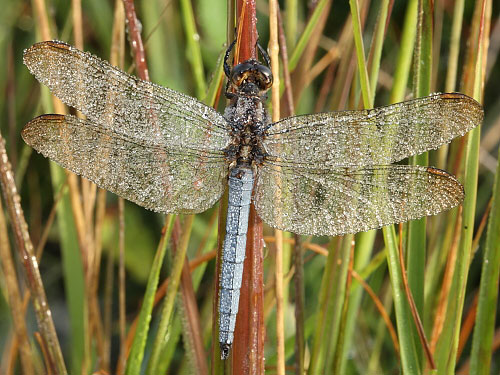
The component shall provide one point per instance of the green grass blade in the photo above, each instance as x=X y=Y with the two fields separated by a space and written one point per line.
x=137 y=349
x=291 y=17
x=416 y=239
x=377 y=46
x=362 y=252
x=446 y=350
x=405 y=53
x=336 y=305
x=173 y=286
x=360 y=54
x=193 y=48
x=306 y=35
x=317 y=350
x=484 y=329
x=409 y=355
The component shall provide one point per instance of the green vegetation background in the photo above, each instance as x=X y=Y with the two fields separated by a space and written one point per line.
x=368 y=348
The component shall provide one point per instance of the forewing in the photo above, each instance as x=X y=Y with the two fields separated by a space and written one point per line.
x=161 y=179
x=123 y=103
x=372 y=137
x=346 y=200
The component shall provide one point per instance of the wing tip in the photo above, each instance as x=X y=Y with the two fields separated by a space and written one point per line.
x=467 y=100
x=452 y=180
x=37 y=123
x=38 y=49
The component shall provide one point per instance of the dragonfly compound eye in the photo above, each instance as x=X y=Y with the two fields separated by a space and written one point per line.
x=240 y=73
x=265 y=77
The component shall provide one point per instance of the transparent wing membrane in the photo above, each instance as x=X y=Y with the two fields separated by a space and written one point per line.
x=346 y=200
x=324 y=174
x=142 y=171
x=124 y=103
x=377 y=136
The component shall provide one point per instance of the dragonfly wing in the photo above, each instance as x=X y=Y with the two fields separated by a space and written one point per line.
x=161 y=179
x=123 y=103
x=376 y=136
x=349 y=200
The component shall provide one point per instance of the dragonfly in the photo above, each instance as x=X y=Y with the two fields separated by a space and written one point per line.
x=328 y=173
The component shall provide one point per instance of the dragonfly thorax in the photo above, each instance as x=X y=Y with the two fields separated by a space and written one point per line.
x=248 y=118
x=247 y=85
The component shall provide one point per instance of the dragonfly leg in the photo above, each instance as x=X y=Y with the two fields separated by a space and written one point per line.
x=264 y=54
x=227 y=68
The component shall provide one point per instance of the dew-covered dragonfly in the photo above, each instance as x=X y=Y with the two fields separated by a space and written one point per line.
x=318 y=174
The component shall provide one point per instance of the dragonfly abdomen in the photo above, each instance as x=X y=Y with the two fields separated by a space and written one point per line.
x=240 y=194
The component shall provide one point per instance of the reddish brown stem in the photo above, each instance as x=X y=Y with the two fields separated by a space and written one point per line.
x=136 y=40
x=248 y=347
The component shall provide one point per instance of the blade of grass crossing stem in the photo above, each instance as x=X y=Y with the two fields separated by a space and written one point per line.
x=306 y=35
x=173 y=286
x=484 y=329
x=137 y=349
x=193 y=47
x=416 y=238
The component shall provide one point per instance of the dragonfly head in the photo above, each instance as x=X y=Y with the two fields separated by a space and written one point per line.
x=251 y=77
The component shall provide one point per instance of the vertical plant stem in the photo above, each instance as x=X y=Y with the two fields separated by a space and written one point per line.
x=70 y=223
x=275 y=90
x=409 y=354
x=484 y=329
x=416 y=238
x=14 y=298
x=134 y=30
x=192 y=325
x=248 y=347
x=448 y=342
x=121 y=283
x=299 y=307
x=360 y=53
x=409 y=358
x=30 y=264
